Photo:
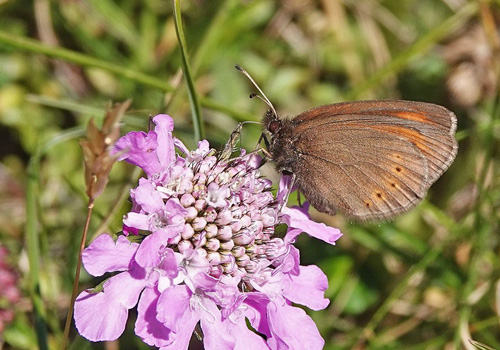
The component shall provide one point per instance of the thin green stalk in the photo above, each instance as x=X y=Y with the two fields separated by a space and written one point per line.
x=480 y=346
x=26 y=44
x=64 y=104
x=80 y=109
x=117 y=20
x=473 y=275
x=69 y=315
x=199 y=131
x=34 y=46
x=33 y=249
x=32 y=232
x=482 y=227
x=418 y=48
x=213 y=35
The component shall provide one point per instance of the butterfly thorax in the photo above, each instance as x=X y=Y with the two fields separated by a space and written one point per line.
x=281 y=145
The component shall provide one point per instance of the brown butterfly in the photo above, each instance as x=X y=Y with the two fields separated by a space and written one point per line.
x=371 y=160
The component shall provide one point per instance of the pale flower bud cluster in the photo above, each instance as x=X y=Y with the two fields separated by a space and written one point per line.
x=230 y=213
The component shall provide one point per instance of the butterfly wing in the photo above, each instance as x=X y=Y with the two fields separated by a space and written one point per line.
x=372 y=159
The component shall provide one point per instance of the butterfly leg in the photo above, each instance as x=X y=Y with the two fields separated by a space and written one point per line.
x=234 y=138
x=230 y=146
x=266 y=143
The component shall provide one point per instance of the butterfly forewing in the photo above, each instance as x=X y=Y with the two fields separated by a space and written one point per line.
x=370 y=159
x=429 y=127
x=356 y=184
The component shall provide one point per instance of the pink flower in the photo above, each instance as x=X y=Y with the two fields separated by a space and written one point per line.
x=9 y=292
x=199 y=248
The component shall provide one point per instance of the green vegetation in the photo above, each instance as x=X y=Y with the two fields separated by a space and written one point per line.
x=428 y=280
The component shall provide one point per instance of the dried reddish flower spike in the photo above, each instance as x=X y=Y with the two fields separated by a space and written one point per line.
x=96 y=149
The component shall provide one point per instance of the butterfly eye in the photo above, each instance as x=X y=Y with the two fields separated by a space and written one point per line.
x=273 y=126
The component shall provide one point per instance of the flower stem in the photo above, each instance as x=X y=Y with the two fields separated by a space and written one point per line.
x=199 y=131
x=33 y=248
x=69 y=316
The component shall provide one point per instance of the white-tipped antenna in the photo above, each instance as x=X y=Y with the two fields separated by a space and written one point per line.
x=263 y=97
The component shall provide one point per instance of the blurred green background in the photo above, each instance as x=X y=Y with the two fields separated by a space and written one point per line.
x=427 y=280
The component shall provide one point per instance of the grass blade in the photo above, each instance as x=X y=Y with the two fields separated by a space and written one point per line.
x=199 y=131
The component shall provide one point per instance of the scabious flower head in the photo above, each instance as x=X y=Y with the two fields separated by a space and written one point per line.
x=9 y=292
x=199 y=247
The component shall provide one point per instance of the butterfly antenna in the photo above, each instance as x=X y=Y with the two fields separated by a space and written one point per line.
x=263 y=97
x=263 y=100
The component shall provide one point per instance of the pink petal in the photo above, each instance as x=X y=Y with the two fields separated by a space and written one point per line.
x=182 y=338
x=241 y=338
x=297 y=218
x=102 y=316
x=173 y=304
x=136 y=220
x=256 y=312
x=292 y=329
x=148 y=254
x=105 y=255
x=284 y=188
x=165 y=150
x=308 y=288
x=291 y=262
x=178 y=143
x=176 y=212
x=246 y=339
x=174 y=310
x=138 y=149
x=147 y=327
x=148 y=197
x=215 y=334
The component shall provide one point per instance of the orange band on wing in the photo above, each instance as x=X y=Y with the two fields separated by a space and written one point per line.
x=418 y=117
